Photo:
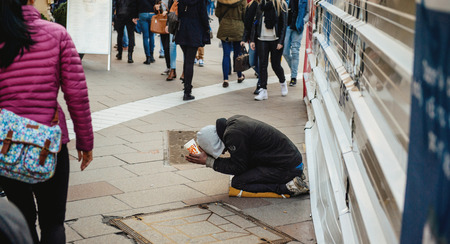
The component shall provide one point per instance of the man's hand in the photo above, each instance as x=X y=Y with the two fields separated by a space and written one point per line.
x=242 y=44
x=86 y=157
x=279 y=46
x=252 y=45
x=197 y=158
x=135 y=20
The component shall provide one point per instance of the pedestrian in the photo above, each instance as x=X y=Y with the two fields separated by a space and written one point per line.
x=193 y=32
x=13 y=226
x=249 y=21
x=146 y=10
x=262 y=159
x=125 y=12
x=37 y=58
x=173 y=50
x=269 y=33
x=297 y=17
x=163 y=7
x=231 y=29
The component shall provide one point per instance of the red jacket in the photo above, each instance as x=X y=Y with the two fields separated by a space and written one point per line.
x=29 y=86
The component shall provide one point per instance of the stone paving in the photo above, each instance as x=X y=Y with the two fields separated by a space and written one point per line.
x=205 y=223
x=131 y=174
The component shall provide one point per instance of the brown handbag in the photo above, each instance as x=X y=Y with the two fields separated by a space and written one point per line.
x=158 y=24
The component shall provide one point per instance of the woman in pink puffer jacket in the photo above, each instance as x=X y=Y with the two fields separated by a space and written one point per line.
x=37 y=58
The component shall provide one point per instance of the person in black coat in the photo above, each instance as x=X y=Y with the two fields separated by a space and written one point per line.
x=193 y=32
x=125 y=12
x=262 y=158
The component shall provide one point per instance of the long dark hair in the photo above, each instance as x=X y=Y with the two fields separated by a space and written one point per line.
x=14 y=32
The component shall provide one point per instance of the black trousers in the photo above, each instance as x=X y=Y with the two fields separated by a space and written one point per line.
x=264 y=49
x=120 y=24
x=265 y=179
x=51 y=198
x=188 y=67
x=165 y=39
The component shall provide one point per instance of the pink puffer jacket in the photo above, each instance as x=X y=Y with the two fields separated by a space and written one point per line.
x=29 y=86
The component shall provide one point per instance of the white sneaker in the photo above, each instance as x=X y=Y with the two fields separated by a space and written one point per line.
x=284 y=89
x=262 y=95
x=195 y=61
x=297 y=186
x=200 y=63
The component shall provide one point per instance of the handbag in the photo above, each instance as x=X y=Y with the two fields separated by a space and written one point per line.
x=158 y=24
x=28 y=149
x=242 y=62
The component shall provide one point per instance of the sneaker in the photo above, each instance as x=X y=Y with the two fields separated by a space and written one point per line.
x=293 y=82
x=165 y=72
x=262 y=95
x=161 y=56
x=200 y=63
x=297 y=186
x=284 y=89
x=195 y=61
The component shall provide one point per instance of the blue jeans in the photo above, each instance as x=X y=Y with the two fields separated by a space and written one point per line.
x=226 y=62
x=125 y=37
x=291 y=52
x=148 y=38
x=173 y=53
x=253 y=59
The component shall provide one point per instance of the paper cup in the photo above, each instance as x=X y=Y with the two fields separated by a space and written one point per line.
x=192 y=147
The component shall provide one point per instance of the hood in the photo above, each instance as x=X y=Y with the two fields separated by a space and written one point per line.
x=229 y=2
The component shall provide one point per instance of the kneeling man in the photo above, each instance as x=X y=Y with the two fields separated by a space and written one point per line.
x=263 y=159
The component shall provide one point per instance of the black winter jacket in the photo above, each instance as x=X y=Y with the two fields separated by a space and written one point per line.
x=249 y=20
x=280 y=26
x=193 y=28
x=253 y=143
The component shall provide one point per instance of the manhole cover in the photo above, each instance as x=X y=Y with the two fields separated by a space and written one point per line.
x=205 y=223
x=177 y=139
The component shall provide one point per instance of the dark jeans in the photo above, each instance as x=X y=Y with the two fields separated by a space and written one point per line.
x=264 y=48
x=165 y=39
x=265 y=179
x=188 y=67
x=229 y=47
x=51 y=197
x=120 y=25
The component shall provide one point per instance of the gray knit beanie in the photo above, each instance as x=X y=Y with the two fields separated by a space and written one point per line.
x=209 y=141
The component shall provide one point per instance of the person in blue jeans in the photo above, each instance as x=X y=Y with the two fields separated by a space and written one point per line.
x=297 y=17
x=146 y=11
x=231 y=29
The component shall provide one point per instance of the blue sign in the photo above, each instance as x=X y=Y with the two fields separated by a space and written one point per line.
x=426 y=217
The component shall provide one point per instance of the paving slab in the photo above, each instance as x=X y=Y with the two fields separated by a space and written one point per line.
x=91 y=190
x=94 y=206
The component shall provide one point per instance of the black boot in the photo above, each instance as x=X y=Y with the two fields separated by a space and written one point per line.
x=130 y=57
x=147 y=60
x=119 y=56
x=187 y=97
x=152 y=59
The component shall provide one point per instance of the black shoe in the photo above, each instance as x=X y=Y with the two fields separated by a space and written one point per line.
x=2 y=194
x=161 y=56
x=152 y=59
x=147 y=60
x=293 y=82
x=130 y=58
x=119 y=56
x=188 y=97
